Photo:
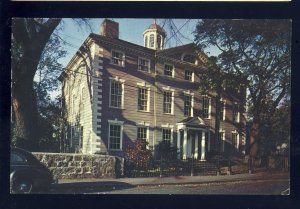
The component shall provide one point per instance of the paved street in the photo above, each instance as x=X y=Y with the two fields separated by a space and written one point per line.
x=256 y=188
x=256 y=184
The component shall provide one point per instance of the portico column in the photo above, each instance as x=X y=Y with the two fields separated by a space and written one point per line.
x=202 y=145
x=185 y=144
x=196 y=145
x=178 y=143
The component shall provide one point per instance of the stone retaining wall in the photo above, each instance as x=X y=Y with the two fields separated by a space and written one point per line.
x=69 y=165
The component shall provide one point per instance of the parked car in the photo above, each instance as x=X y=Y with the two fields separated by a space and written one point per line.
x=28 y=174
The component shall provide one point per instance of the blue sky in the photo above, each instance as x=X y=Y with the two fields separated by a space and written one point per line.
x=130 y=30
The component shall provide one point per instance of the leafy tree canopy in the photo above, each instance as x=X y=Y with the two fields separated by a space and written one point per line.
x=258 y=51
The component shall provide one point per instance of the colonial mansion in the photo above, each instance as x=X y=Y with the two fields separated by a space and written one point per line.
x=115 y=92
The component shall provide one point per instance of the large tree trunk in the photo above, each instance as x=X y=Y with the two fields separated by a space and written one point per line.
x=253 y=148
x=30 y=38
x=24 y=104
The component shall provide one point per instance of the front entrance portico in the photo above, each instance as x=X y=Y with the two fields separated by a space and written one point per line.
x=191 y=138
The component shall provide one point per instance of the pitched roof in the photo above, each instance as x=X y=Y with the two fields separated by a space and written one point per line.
x=98 y=37
x=193 y=122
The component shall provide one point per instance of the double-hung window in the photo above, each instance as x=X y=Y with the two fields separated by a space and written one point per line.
x=167 y=134
x=168 y=100
x=144 y=65
x=118 y=58
x=235 y=139
x=142 y=134
x=206 y=107
x=188 y=75
x=168 y=71
x=143 y=99
x=116 y=93
x=188 y=105
x=115 y=136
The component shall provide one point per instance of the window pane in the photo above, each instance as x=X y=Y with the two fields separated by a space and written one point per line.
x=167 y=107
x=234 y=139
x=206 y=104
x=151 y=40
x=142 y=133
x=166 y=134
x=187 y=105
x=115 y=137
x=158 y=41
x=116 y=94
x=143 y=64
x=168 y=70
x=17 y=158
x=117 y=58
x=142 y=99
x=188 y=75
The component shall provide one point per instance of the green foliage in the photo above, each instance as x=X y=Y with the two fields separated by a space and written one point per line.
x=138 y=155
x=49 y=125
x=257 y=51
x=275 y=129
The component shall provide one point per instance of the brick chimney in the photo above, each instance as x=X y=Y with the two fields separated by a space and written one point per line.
x=109 y=29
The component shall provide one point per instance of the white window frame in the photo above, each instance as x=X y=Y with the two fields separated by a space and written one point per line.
x=173 y=70
x=149 y=61
x=122 y=81
x=168 y=126
x=223 y=117
x=116 y=122
x=192 y=78
x=191 y=94
x=237 y=138
x=168 y=89
x=146 y=86
x=123 y=58
x=150 y=46
x=144 y=125
x=209 y=106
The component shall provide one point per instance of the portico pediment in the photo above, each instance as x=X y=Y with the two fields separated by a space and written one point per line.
x=192 y=122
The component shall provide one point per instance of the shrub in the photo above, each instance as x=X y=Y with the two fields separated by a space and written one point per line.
x=138 y=155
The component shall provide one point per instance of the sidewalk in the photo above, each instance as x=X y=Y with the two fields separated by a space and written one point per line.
x=151 y=181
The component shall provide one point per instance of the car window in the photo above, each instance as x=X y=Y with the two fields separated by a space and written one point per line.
x=17 y=158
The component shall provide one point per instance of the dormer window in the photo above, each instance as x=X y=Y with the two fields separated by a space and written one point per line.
x=117 y=58
x=144 y=65
x=169 y=70
x=189 y=75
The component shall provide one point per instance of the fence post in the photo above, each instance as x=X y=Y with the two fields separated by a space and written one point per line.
x=160 y=167
x=229 y=166
x=192 y=166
